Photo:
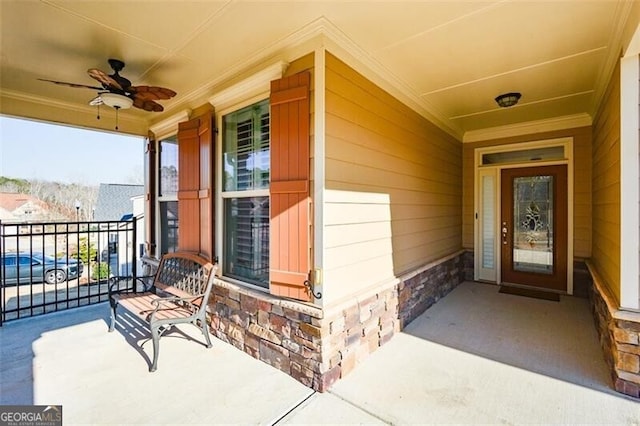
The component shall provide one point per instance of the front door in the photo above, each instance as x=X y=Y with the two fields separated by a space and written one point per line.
x=533 y=227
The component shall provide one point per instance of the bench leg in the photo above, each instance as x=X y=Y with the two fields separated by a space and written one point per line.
x=205 y=330
x=155 y=336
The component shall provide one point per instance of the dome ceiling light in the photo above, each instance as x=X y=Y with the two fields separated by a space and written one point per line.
x=507 y=100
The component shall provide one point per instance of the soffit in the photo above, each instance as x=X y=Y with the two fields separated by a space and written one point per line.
x=450 y=58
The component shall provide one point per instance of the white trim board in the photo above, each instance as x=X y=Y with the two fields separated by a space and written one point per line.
x=629 y=183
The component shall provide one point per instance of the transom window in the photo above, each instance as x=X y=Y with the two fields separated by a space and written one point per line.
x=245 y=175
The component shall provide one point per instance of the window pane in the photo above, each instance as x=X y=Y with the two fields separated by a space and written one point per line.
x=168 y=227
x=246 y=148
x=246 y=245
x=538 y=154
x=168 y=167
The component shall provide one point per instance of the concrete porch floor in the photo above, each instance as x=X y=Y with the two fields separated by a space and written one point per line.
x=477 y=356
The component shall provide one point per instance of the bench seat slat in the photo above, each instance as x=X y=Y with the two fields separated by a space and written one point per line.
x=142 y=305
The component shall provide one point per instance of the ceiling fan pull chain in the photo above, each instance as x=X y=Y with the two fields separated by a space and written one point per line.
x=98 y=117
x=117 y=109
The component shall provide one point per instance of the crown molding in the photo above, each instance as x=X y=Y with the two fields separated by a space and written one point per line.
x=40 y=100
x=530 y=127
x=338 y=43
x=50 y=110
x=322 y=33
x=169 y=125
x=622 y=13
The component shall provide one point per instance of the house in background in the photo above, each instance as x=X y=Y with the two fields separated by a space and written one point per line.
x=16 y=207
x=349 y=166
x=119 y=203
x=115 y=200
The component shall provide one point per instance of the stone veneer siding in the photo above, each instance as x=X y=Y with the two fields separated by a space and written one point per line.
x=421 y=289
x=318 y=347
x=468 y=265
x=619 y=333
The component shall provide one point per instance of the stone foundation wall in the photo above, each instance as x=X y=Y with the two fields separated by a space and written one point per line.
x=619 y=334
x=469 y=268
x=318 y=347
x=419 y=290
x=287 y=338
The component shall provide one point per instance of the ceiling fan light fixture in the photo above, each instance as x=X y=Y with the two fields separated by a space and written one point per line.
x=508 y=99
x=114 y=100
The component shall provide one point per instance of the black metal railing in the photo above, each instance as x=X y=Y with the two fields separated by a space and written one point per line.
x=48 y=267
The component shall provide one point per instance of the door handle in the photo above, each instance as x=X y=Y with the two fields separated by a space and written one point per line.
x=505 y=231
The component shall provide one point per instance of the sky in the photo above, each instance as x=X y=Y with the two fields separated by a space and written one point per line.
x=35 y=150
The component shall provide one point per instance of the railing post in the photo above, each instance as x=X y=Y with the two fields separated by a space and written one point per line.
x=134 y=262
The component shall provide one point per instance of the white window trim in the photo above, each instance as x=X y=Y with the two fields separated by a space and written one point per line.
x=221 y=195
x=169 y=126
x=245 y=194
x=257 y=84
x=162 y=198
x=247 y=92
x=162 y=130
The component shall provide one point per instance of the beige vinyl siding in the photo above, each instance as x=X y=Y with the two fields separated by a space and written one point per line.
x=582 y=214
x=393 y=186
x=606 y=187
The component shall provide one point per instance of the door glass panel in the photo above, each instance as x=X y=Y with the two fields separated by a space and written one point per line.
x=533 y=224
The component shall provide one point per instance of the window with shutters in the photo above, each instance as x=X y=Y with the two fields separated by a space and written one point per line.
x=168 y=195
x=245 y=193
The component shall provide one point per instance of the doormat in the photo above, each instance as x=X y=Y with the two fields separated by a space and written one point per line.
x=528 y=292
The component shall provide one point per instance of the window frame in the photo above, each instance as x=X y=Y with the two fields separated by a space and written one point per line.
x=162 y=198
x=221 y=195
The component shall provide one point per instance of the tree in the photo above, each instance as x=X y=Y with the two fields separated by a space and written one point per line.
x=87 y=251
x=20 y=186
x=61 y=198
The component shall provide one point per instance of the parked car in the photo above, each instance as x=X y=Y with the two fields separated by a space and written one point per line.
x=35 y=267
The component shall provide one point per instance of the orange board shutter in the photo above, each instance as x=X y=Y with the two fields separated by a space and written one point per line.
x=150 y=195
x=205 y=191
x=195 y=184
x=289 y=252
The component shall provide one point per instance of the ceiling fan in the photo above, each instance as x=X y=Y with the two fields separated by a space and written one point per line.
x=117 y=91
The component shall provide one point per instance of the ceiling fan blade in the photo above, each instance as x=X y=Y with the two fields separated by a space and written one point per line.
x=107 y=81
x=76 y=85
x=151 y=93
x=96 y=101
x=147 y=105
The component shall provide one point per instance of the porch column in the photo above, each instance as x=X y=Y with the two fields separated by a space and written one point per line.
x=630 y=182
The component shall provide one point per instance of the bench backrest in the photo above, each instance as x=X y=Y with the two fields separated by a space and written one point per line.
x=185 y=274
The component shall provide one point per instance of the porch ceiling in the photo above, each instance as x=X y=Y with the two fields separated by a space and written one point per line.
x=449 y=60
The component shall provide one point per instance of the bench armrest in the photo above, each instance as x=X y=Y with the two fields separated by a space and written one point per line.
x=126 y=284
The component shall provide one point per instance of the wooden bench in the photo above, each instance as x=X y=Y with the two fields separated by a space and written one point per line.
x=177 y=293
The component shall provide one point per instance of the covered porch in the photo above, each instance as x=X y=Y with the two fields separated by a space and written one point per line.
x=393 y=102
x=470 y=358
